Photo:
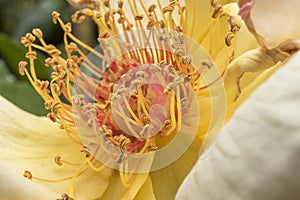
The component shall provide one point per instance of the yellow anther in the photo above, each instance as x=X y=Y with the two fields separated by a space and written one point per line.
x=30 y=37
x=151 y=8
x=41 y=84
x=229 y=38
x=49 y=62
x=52 y=117
x=37 y=32
x=27 y=174
x=121 y=19
x=52 y=50
x=56 y=89
x=31 y=55
x=72 y=47
x=55 y=16
x=213 y=3
x=22 y=66
x=217 y=11
x=120 y=3
x=65 y=197
x=57 y=160
x=106 y=3
x=138 y=17
x=85 y=150
x=68 y=28
x=48 y=104
x=168 y=9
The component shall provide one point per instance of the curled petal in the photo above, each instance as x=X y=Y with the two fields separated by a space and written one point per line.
x=272 y=22
x=257 y=155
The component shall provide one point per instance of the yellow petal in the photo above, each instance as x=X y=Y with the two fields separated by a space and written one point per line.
x=146 y=192
x=116 y=190
x=257 y=155
x=273 y=22
x=15 y=187
x=28 y=142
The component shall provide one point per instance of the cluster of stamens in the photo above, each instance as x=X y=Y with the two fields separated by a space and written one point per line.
x=110 y=85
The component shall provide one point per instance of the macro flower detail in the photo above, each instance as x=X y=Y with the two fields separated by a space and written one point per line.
x=146 y=102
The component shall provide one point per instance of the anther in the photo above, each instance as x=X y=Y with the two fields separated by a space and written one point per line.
x=151 y=147
x=22 y=66
x=65 y=197
x=177 y=37
x=120 y=3
x=55 y=107
x=106 y=3
x=151 y=24
x=57 y=160
x=233 y=26
x=30 y=37
x=138 y=17
x=49 y=62
x=48 y=104
x=42 y=84
x=77 y=99
x=229 y=38
x=37 y=32
x=217 y=11
x=187 y=59
x=145 y=132
x=72 y=47
x=179 y=51
x=56 y=89
x=85 y=150
x=165 y=37
x=70 y=64
x=155 y=68
x=27 y=174
x=168 y=9
x=151 y=8
x=207 y=63
x=25 y=42
x=52 y=117
x=68 y=28
x=213 y=3
x=52 y=50
x=168 y=124
x=121 y=20
x=31 y=55
x=78 y=17
x=55 y=16
x=140 y=74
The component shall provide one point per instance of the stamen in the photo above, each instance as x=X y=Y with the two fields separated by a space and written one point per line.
x=28 y=174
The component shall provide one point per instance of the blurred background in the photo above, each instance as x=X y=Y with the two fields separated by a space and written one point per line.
x=17 y=18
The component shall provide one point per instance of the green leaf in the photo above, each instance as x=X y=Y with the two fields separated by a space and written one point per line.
x=5 y=75
x=24 y=96
x=12 y=52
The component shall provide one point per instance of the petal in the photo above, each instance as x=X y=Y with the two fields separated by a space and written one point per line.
x=211 y=33
x=257 y=157
x=28 y=142
x=272 y=22
x=146 y=192
x=15 y=187
x=116 y=190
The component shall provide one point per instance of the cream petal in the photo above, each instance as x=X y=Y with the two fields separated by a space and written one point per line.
x=15 y=187
x=257 y=156
x=272 y=22
x=28 y=142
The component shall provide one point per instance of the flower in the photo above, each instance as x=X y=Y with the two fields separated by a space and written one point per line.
x=81 y=97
